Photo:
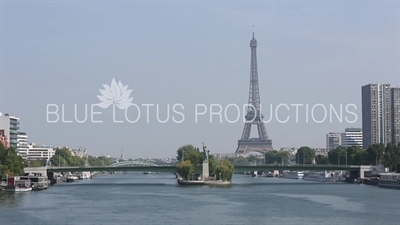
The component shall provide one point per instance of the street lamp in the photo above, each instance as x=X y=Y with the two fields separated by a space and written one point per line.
x=338 y=159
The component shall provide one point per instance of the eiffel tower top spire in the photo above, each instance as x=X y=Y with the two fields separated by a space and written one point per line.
x=253 y=42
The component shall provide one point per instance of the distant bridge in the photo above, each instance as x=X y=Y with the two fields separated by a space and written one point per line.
x=132 y=163
x=136 y=166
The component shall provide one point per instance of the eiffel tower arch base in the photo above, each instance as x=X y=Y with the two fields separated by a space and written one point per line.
x=262 y=147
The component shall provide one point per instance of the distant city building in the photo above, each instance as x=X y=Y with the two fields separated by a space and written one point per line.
x=333 y=140
x=376 y=114
x=352 y=137
x=22 y=145
x=36 y=152
x=225 y=155
x=81 y=152
x=395 y=105
x=4 y=139
x=321 y=151
x=10 y=125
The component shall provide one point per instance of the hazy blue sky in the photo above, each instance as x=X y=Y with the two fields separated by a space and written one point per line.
x=190 y=53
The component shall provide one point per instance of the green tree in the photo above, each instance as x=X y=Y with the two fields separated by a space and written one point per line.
x=185 y=169
x=305 y=155
x=11 y=163
x=355 y=155
x=374 y=154
x=279 y=157
x=189 y=152
x=392 y=156
x=98 y=161
x=225 y=170
x=37 y=163
x=211 y=165
x=252 y=158
x=270 y=157
x=321 y=160
x=239 y=161
x=338 y=156
x=283 y=157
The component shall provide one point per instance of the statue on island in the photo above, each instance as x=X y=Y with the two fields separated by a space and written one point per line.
x=205 y=153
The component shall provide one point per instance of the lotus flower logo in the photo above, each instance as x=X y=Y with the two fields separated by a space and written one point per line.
x=116 y=94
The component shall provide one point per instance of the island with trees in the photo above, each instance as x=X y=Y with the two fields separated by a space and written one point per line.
x=191 y=169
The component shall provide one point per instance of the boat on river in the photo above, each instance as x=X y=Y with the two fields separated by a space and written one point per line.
x=38 y=181
x=389 y=180
x=72 y=179
x=15 y=184
x=293 y=174
x=323 y=176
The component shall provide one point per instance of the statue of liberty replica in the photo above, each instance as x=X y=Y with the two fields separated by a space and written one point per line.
x=206 y=172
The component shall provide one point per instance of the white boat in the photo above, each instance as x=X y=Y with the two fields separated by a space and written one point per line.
x=293 y=174
x=389 y=180
x=72 y=179
x=84 y=175
x=268 y=174
x=14 y=184
x=323 y=176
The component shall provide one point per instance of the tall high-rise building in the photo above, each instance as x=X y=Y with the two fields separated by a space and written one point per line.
x=395 y=98
x=10 y=125
x=352 y=137
x=333 y=140
x=22 y=146
x=376 y=114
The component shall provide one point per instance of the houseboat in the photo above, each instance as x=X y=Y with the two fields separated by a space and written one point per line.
x=15 y=184
x=38 y=181
x=389 y=180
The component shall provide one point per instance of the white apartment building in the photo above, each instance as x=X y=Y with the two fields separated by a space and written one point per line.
x=352 y=137
x=333 y=140
x=10 y=125
x=22 y=145
x=321 y=151
x=36 y=152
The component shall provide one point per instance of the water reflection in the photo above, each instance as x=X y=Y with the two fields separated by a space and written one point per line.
x=10 y=200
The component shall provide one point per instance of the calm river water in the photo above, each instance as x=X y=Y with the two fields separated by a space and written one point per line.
x=137 y=199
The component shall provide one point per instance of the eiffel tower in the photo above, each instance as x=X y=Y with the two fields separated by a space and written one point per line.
x=262 y=144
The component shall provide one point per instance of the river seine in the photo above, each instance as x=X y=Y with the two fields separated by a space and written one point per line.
x=137 y=199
